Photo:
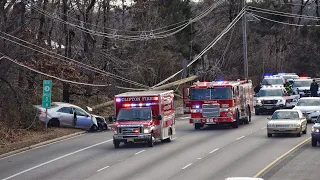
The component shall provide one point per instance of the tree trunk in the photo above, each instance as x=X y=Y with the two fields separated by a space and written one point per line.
x=66 y=87
x=42 y=23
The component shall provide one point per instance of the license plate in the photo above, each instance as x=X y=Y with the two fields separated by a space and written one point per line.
x=267 y=107
x=130 y=140
x=209 y=120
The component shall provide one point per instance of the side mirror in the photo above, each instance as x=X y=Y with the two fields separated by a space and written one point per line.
x=269 y=118
x=159 y=117
x=111 y=119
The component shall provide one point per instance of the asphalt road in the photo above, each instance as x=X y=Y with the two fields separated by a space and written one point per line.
x=211 y=153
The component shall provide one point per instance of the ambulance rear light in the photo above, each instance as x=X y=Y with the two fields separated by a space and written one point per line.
x=118 y=99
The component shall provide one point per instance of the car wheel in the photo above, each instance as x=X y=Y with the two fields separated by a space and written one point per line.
x=314 y=142
x=116 y=144
x=236 y=123
x=257 y=112
x=305 y=131
x=94 y=128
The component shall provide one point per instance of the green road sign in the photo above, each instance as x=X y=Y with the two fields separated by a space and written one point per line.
x=46 y=95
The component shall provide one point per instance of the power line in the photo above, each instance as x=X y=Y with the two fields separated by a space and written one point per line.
x=284 y=23
x=145 y=35
x=211 y=44
x=63 y=58
x=51 y=76
x=284 y=14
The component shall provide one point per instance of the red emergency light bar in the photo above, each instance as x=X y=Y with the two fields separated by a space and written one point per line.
x=156 y=98
x=138 y=105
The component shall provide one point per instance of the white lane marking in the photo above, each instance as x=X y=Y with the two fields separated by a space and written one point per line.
x=55 y=159
x=264 y=127
x=214 y=150
x=240 y=137
x=174 y=138
x=139 y=152
x=102 y=168
x=187 y=166
x=41 y=146
x=199 y=158
x=184 y=118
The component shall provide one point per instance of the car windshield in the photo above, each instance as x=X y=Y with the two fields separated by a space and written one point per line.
x=134 y=114
x=272 y=81
x=308 y=102
x=301 y=83
x=211 y=94
x=292 y=115
x=270 y=92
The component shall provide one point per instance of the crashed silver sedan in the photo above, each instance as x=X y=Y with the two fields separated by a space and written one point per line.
x=287 y=121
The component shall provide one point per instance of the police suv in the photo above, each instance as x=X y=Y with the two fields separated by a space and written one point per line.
x=271 y=98
x=302 y=86
x=273 y=81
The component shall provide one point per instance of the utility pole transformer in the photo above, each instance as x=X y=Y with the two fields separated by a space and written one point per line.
x=244 y=38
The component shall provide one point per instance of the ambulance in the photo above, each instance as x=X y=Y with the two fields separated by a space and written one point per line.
x=147 y=117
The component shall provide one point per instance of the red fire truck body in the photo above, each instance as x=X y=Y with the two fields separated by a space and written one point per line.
x=219 y=102
x=144 y=117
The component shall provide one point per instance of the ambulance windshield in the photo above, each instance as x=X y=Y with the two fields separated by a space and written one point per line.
x=211 y=94
x=134 y=114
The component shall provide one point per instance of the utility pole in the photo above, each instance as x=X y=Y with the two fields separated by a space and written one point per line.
x=244 y=39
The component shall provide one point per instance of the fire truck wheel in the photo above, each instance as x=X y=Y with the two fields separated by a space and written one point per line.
x=236 y=123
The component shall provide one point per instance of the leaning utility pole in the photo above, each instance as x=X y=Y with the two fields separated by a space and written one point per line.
x=244 y=37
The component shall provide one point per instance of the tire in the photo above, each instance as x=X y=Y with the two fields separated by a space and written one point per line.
x=151 y=142
x=299 y=134
x=94 y=128
x=257 y=111
x=236 y=123
x=314 y=142
x=269 y=135
x=305 y=131
x=197 y=126
x=116 y=144
x=248 y=118
x=169 y=139
x=53 y=123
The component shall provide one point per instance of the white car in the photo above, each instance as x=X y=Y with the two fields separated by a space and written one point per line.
x=287 y=76
x=310 y=107
x=273 y=81
x=68 y=115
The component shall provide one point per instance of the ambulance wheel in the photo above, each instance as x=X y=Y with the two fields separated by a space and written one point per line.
x=197 y=126
x=116 y=144
x=236 y=123
x=169 y=139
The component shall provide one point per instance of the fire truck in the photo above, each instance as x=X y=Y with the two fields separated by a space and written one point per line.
x=219 y=102
x=146 y=116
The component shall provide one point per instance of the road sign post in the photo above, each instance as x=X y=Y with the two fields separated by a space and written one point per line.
x=46 y=97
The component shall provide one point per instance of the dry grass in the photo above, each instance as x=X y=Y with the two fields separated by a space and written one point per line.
x=17 y=139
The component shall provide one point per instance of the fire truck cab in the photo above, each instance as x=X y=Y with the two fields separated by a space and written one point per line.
x=144 y=117
x=219 y=102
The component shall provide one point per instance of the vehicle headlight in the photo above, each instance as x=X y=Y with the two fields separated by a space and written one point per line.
x=297 y=125
x=195 y=110
x=146 y=131
x=317 y=111
x=312 y=130
x=259 y=101
x=315 y=130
